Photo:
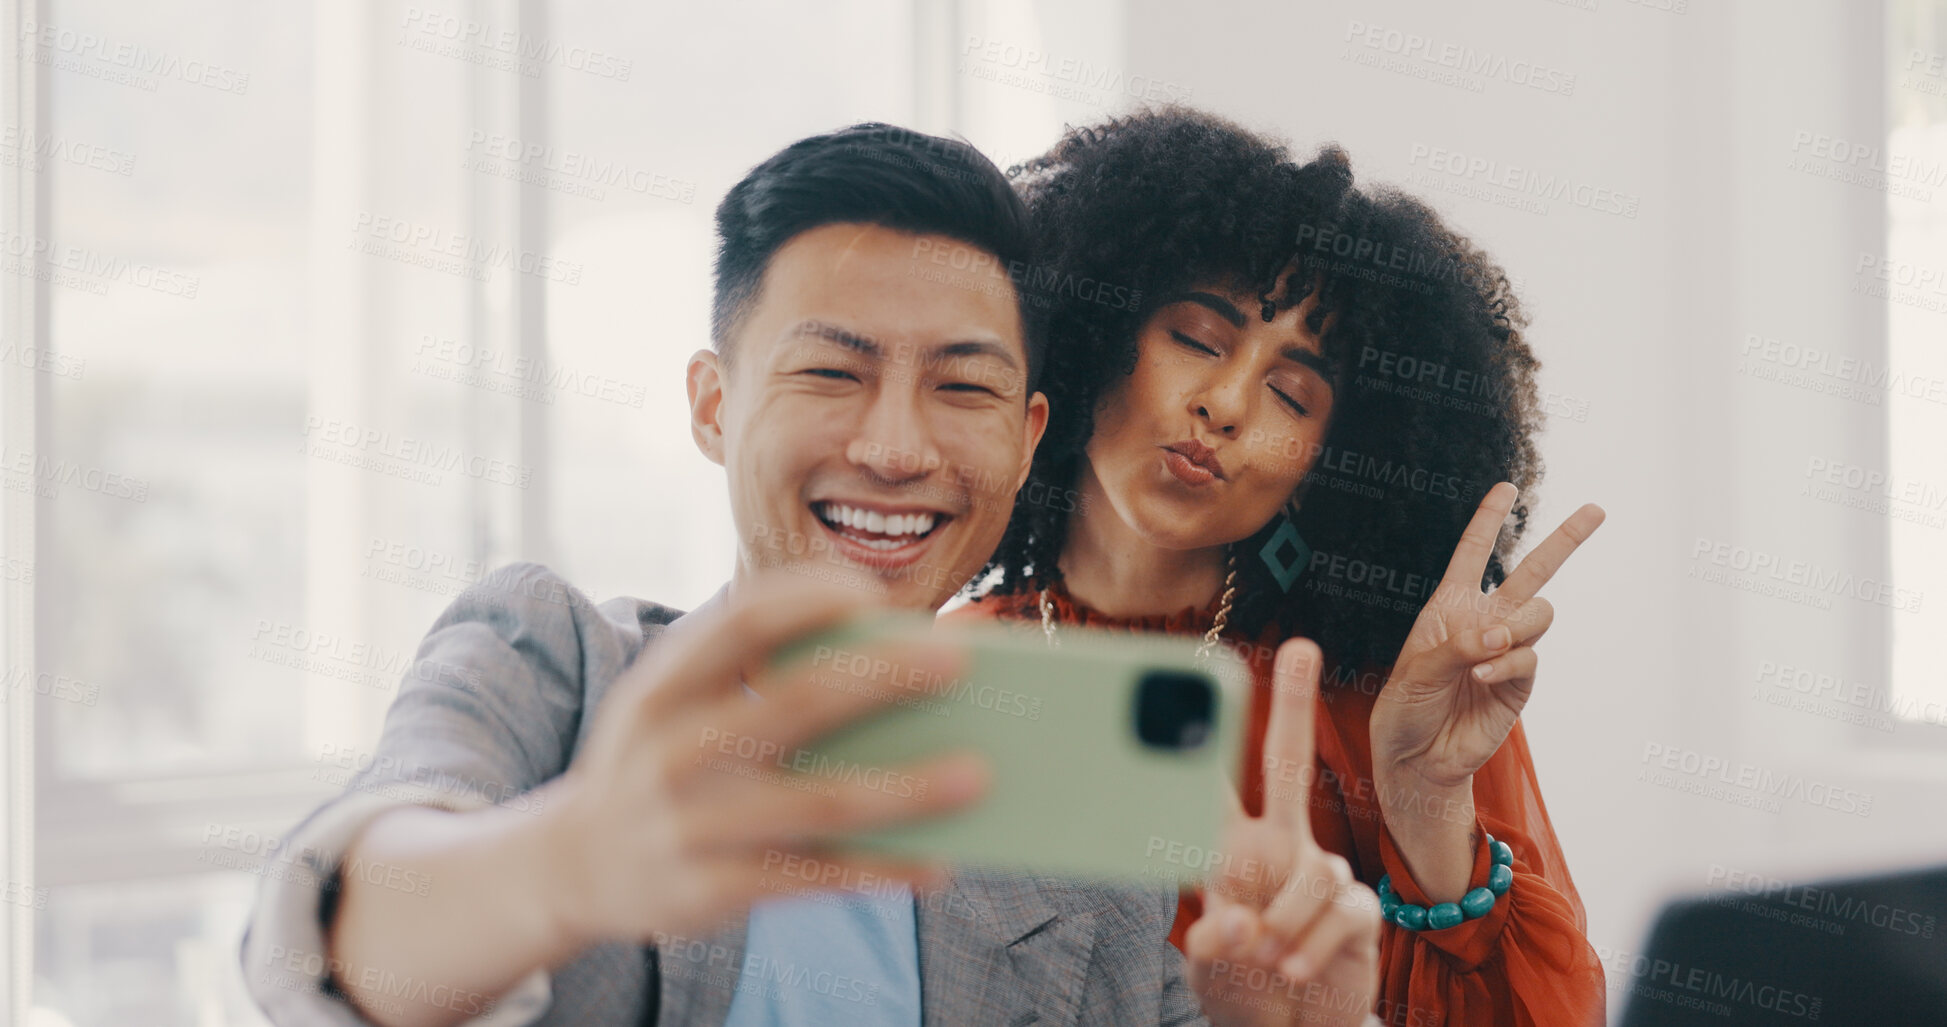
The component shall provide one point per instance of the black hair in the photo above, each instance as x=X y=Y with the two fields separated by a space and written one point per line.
x=1166 y=200
x=869 y=173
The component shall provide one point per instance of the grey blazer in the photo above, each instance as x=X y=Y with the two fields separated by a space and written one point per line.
x=498 y=701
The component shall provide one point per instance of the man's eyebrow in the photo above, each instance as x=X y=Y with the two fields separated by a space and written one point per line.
x=832 y=333
x=867 y=347
x=979 y=348
x=1224 y=308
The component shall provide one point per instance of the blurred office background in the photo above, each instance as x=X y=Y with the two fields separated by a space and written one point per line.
x=314 y=312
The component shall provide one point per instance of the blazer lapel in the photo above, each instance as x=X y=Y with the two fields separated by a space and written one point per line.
x=994 y=948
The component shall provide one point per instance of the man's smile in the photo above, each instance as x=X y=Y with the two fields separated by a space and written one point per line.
x=879 y=534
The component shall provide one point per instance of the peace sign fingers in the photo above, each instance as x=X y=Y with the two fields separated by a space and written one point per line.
x=1289 y=737
x=1544 y=560
x=1476 y=546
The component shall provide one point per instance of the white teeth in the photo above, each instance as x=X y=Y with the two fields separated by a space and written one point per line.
x=840 y=516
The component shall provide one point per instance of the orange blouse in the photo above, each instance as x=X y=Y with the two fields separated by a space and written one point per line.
x=1527 y=963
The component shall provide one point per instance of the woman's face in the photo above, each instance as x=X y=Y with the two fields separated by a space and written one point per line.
x=1205 y=442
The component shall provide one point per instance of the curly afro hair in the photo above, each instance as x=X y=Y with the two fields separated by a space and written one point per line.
x=1434 y=391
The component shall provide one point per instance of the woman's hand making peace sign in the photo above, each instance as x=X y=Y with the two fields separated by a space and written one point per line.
x=1457 y=689
x=1288 y=934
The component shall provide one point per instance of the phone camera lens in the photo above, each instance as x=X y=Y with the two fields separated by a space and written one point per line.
x=1174 y=709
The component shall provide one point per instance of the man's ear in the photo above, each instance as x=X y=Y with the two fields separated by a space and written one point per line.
x=1037 y=423
x=705 y=383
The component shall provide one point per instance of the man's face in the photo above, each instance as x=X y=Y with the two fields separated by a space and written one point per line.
x=874 y=419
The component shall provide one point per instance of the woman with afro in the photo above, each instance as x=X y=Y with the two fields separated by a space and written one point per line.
x=1287 y=408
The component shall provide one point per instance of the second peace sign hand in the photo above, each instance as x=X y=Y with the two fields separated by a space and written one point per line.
x=1461 y=681
x=1288 y=934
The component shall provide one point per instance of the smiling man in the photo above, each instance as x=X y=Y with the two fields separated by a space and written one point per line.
x=601 y=832
x=882 y=420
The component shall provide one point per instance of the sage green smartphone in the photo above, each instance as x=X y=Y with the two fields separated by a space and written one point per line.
x=1108 y=756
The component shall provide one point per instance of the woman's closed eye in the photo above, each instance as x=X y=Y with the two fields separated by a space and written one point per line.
x=1296 y=406
x=1192 y=343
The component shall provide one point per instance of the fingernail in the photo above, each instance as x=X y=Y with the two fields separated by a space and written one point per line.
x=1234 y=926
x=1267 y=950
x=1482 y=671
x=1298 y=968
x=1497 y=637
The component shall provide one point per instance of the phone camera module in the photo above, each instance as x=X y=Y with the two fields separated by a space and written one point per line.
x=1174 y=709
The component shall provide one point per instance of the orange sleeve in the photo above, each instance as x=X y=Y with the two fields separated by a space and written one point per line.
x=1528 y=962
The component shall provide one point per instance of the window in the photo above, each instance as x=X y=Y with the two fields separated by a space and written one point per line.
x=345 y=307
x=1914 y=496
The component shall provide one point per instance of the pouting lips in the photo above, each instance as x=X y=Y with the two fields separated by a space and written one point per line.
x=878 y=530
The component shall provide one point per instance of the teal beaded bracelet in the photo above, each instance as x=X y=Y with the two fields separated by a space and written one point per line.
x=1472 y=906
